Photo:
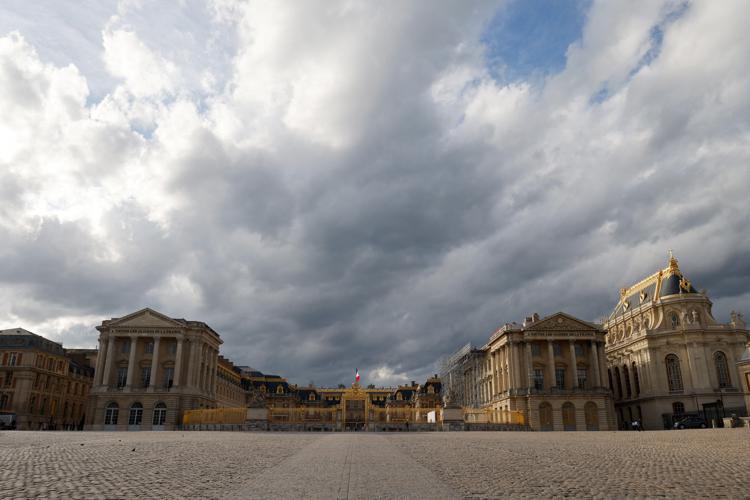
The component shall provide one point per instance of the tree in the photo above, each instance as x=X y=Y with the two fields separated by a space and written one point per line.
x=342 y=386
x=371 y=386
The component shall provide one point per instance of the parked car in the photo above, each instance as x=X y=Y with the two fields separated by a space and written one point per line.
x=691 y=423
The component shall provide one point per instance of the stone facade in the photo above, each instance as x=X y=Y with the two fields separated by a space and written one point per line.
x=42 y=386
x=150 y=370
x=551 y=370
x=667 y=356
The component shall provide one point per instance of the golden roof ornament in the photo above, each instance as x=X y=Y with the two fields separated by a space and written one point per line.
x=672 y=262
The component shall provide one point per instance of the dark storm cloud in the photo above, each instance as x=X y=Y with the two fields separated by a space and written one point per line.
x=363 y=195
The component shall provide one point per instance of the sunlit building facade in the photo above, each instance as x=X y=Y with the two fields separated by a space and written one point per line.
x=668 y=356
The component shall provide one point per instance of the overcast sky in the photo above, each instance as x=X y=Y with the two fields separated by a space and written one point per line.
x=341 y=185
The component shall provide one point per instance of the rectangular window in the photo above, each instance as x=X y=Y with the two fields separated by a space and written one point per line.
x=557 y=349
x=122 y=376
x=125 y=346
x=582 y=377
x=538 y=379
x=579 y=350
x=173 y=348
x=536 y=350
x=560 y=378
x=8 y=379
x=145 y=376
x=4 y=401
x=149 y=349
x=12 y=359
x=168 y=376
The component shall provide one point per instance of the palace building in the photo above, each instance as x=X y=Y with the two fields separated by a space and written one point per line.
x=668 y=357
x=42 y=385
x=550 y=370
x=152 y=368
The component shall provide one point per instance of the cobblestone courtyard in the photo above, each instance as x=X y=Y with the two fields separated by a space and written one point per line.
x=700 y=463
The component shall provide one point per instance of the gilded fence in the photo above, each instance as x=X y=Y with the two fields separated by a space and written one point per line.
x=215 y=416
x=490 y=416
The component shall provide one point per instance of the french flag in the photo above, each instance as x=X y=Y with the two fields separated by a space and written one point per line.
x=356 y=374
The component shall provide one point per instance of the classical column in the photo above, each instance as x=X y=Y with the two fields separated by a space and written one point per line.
x=573 y=366
x=515 y=355
x=493 y=385
x=551 y=362
x=511 y=365
x=178 y=364
x=214 y=366
x=602 y=355
x=597 y=381
x=108 y=360
x=99 y=370
x=154 y=365
x=194 y=366
x=131 y=361
x=530 y=366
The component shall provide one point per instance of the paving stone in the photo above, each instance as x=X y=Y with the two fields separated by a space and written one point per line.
x=667 y=464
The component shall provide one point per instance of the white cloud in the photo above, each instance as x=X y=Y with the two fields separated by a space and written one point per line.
x=145 y=74
x=334 y=184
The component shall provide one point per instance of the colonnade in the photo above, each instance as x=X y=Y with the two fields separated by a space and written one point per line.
x=202 y=362
x=510 y=366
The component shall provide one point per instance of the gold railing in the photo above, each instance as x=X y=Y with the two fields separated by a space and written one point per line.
x=403 y=415
x=215 y=416
x=302 y=415
x=491 y=416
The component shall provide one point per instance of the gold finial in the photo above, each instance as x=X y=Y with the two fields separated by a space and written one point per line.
x=672 y=261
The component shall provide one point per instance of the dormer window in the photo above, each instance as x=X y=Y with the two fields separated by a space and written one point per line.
x=675 y=320
x=280 y=389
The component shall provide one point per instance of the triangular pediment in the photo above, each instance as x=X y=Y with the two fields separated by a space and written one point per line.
x=146 y=318
x=561 y=321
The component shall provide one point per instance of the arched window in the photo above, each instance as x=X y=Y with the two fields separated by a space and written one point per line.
x=636 y=380
x=569 y=416
x=279 y=389
x=136 y=414
x=311 y=396
x=545 y=417
x=674 y=375
x=618 y=382
x=111 y=413
x=626 y=375
x=675 y=320
x=262 y=388
x=592 y=416
x=678 y=408
x=160 y=414
x=722 y=369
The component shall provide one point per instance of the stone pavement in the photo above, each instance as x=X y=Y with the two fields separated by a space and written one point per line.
x=665 y=464
x=349 y=465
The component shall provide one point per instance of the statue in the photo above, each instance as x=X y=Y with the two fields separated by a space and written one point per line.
x=737 y=320
x=696 y=316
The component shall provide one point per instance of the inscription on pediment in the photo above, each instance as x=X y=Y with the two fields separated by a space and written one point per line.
x=560 y=323
x=145 y=319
